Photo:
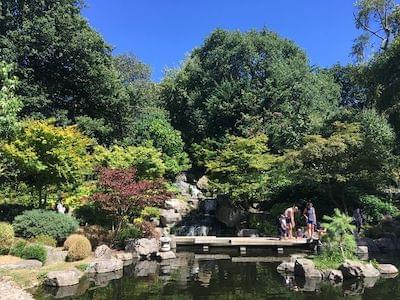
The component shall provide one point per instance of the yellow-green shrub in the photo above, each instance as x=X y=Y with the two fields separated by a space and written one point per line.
x=71 y=240
x=79 y=249
x=6 y=237
x=45 y=239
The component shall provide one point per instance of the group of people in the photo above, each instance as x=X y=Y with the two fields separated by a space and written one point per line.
x=287 y=222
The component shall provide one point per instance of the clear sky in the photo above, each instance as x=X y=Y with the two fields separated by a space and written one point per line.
x=162 y=32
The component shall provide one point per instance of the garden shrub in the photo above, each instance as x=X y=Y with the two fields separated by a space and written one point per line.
x=92 y=214
x=129 y=232
x=375 y=208
x=79 y=249
x=96 y=234
x=38 y=222
x=71 y=240
x=150 y=212
x=44 y=239
x=34 y=251
x=18 y=247
x=6 y=237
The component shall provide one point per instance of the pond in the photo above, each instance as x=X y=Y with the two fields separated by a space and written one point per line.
x=219 y=276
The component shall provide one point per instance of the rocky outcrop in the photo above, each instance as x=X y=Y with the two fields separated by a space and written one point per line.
x=203 y=183
x=168 y=217
x=354 y=269
x=55 y=255
x=146 y=247
x=105 y=265
x=228 y=214
x=23 y=264
x=166 y=255
x=387 y=269
x=335 y=276
x=9 y=290
x=286 y=267
x=305 y=268
x=63 y=278
x=362 y=250
x=179 y=206
x=103 y=251
x=384 y=244
x=124 y=256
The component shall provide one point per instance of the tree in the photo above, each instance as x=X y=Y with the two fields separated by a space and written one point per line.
x=120 y=191
x=65 y=68
x=10 y=104
x=380 y=21
x=241 y=169
x=248 y=83
x=131 y=69
x=152 y=126
x=49 y=156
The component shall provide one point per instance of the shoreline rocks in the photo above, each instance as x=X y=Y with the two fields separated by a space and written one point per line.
x=105 y=265
x=353 y=269
x=9 y=290
x=306 y=268
x=63 y=278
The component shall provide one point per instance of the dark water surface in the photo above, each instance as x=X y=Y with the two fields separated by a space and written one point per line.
x=199 y=276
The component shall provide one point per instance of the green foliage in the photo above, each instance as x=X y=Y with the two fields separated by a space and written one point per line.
x=245 y=83
x=150 y=212
x=374 y=208
x=34 y=251
x=44 y=239
x=266 y=227
x=18 y=247
x=240 y=170
x=47 y=155
x=6 y=238
x=128 y=232
x=10 y=103
x=38 y=222
x=92 y=214
x=131 y=69
x=79 y=249
x=152 y=126
x=339 y=239
x=145 y=159
x=65 y=67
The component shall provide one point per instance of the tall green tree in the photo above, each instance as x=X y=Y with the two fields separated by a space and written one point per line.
x=380 y=22
x=247 y=83
x=65 y=67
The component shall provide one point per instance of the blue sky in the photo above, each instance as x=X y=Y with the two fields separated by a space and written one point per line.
x=162 y=32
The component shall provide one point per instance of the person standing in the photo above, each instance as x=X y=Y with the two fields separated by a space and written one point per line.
x=311 y=219
x=358 y=219
x=289 y=215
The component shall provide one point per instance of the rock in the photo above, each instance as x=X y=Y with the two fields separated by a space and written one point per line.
x=179 y=206
x=146 y=247
x=208 y=206
x=335 y=276
x=168 y=217
x=386 y=244
x=124 y=256
x=362 y=250
x=155 y=221
x=105 y=265
x=354 y=269
x=130 y=245
x=166 y=255
x=370 y=243
x=248 y=233
x=145 y=267
x=305 y=268
x=23 y=264
x=9 y=290
x=103 y=279
x=63 y=278
x=203 y=183
x=387 y=269
x=286 y=267
x=228 y=214
x=55 y=255
x=103 y=251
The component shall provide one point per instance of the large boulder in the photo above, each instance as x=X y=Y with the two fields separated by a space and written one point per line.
x=9 y=290
x=124 y=256
x=386 y=244
x=146 y=247
x=103 y=251
x=203 y=183
x=166 y=255
x=105 y=265
x=335 y=276
x=368 y=242
x=305 y=268
x=354 y=269
x=387 y=269
x=229 y=215
x=179 y=206
x=286 y=267
x=63 y=278
x=168 y=217
x=55 y=255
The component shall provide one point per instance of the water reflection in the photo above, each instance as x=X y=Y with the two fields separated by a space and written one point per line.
x=194 y=276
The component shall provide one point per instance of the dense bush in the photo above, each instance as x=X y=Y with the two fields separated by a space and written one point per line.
x=9 y=211
x=71 y=240
x=34 y=251
x=92 y=214
x=18 y=247
x=79 y=248
x=38 y=222
x=44 y=239
x=375 y=208
x=150 y=212
x=129 y=232
x=6 y=237
x=96 y=234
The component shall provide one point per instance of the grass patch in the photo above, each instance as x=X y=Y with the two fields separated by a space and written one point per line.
x=324 y=263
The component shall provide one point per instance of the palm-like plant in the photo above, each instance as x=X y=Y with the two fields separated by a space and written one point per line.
x=340 y=234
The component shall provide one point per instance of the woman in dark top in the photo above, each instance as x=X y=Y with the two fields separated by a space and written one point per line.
x=358 y=219
x=311 y=219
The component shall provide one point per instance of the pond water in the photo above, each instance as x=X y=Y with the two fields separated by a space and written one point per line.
x=221 y=276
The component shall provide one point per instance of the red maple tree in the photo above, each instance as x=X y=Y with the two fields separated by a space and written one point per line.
x=120 y=191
